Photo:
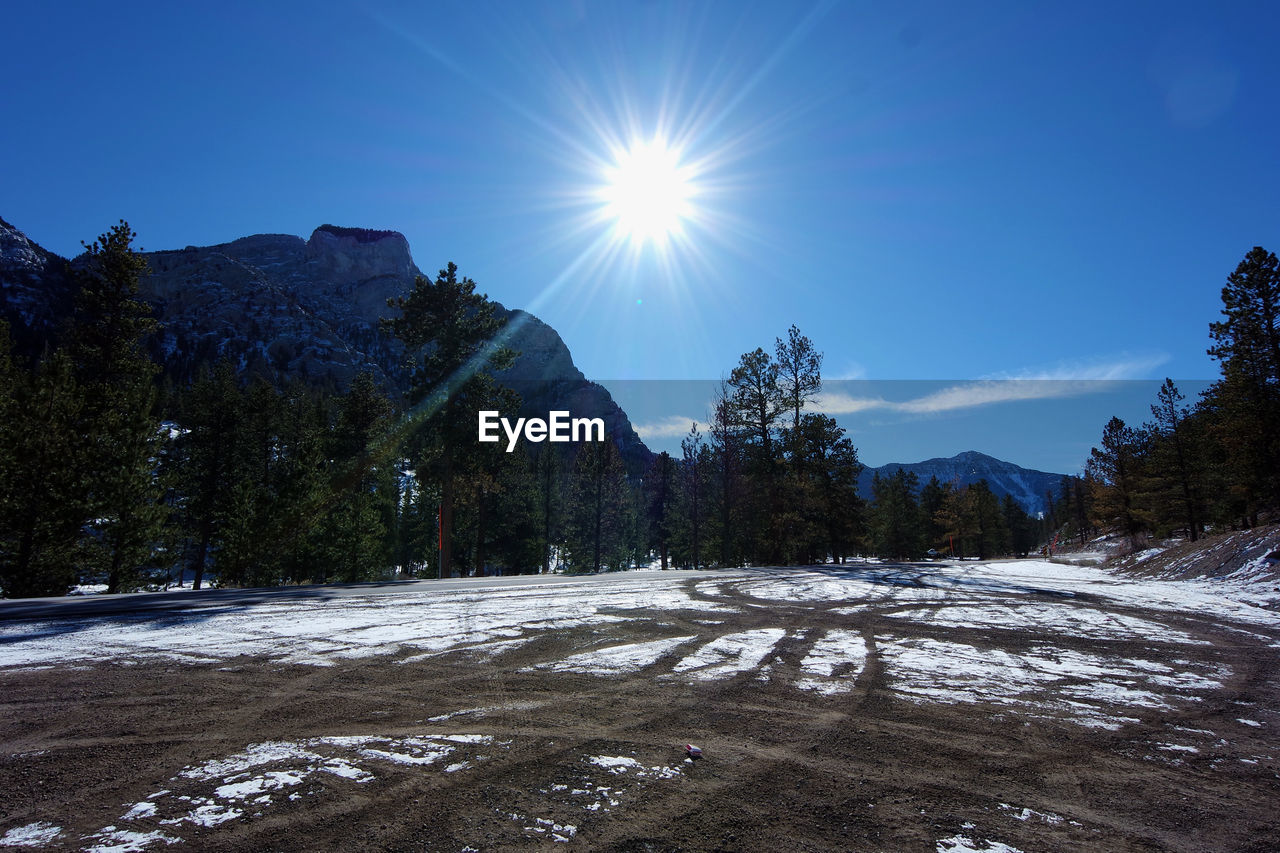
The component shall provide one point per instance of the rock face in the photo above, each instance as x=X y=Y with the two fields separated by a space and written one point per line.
x=36 y=289
x=1028 y=487
x=287 y=308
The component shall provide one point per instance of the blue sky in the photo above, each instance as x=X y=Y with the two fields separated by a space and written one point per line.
x=930 y=191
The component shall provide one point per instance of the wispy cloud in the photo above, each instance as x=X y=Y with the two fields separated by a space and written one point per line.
x=672 y=426
x=987 y=392
x=1061 y=380
x=1123 y=366
x=964 y=395
x=839 y=403
x=852 y=370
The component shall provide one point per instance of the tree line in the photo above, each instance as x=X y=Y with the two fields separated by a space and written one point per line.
x=1214 y=464
x=769 y=483
x=109 y=475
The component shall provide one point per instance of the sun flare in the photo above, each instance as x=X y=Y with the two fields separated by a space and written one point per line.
x=647 y=192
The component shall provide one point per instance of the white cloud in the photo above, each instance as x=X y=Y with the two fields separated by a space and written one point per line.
x=966 y=395
x=672 y=426
x=1064 y=379
x=1122 y=366
x=837 y=403
x=988 y=392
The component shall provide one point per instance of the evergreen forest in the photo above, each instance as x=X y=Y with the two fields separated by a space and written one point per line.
x=110 y=476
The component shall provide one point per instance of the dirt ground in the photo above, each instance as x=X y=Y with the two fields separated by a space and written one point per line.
x=783 y=768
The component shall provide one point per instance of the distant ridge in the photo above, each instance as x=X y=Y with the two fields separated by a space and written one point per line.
x=1028 y=487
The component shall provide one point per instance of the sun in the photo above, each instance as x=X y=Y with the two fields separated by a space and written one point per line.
x=647 y=192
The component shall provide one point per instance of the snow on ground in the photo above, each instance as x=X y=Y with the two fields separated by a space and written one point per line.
x=321 y=632
x=1235 y=596
x=1092 y=689
x=1038 y=617
x=964 y=844
x=731 y=654
x=837 y=651
x=1054 y=606
x=32 y=835
x=250 y=783
x=922 y=614
x=616 y=660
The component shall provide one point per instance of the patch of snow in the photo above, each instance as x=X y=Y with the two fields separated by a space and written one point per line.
x=1025 y=814
x=112 y=840
x=1067 y=619
x=964 y=844
x=318 y=632
x=142 y=809
x=614 y=764
x=733 y=653
x=36 y=834
x=839 y=649
x=219 y=790
x=1086 y=689
x=615 y=660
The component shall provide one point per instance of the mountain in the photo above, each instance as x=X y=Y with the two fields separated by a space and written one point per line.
x=1028 y=487
x=35 y=290
x=280 y=306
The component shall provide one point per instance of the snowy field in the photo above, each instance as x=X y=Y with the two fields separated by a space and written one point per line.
x=1026 y=641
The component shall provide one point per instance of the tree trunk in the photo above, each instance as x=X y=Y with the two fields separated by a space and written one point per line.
x=202 y=553
x=595 y=558
x=446 y=519
x=480 y=519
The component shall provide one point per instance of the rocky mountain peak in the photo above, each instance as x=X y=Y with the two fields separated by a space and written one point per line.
x=282 y=307
x=348 y=255
x=35 y=289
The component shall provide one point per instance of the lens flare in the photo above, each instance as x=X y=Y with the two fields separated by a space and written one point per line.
x=648 y=192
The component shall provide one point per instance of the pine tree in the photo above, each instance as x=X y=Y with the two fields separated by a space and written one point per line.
x=725 y=490
x=1116 y=478
x=206 y=460
x=659 y=489
x=755 y=399
x=754 y=402
x=831 y=467
x=693 y=498
x=599 y=505
x=1247 y=340
x=1243 y=407
x=799 y=372
x=42 y=496
x=451 y=336
x=954 y=518
x=895 y=516
x=991 y=534
x=515 y=520
x=362 y=493
x=107 y=345
x=1176 y=460
x=1082 y=506
x=548 y=473
x=1023 y=530
x=933 y=500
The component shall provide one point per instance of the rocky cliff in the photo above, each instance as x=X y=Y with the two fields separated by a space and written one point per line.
x=283 y=307
x=35 y=290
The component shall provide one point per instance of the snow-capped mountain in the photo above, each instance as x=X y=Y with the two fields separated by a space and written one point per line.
x=1029 y=488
